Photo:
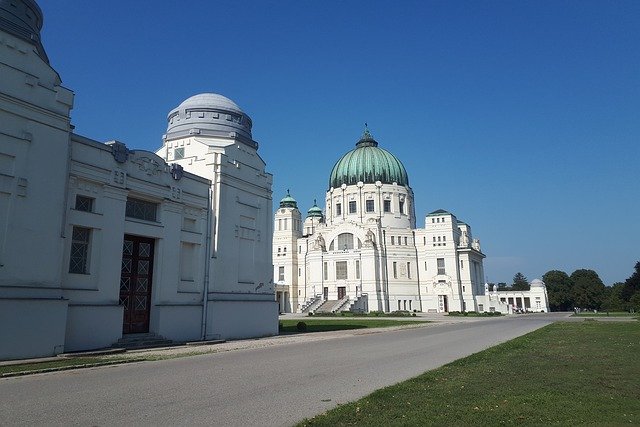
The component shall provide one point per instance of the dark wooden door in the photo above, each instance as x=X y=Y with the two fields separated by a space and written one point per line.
x=342 y=292
x=135 y=283
x=325 y=293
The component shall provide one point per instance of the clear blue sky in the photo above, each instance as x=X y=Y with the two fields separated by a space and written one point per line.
x=521 y=118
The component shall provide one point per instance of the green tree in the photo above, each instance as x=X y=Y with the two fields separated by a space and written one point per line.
x=558 y=290
x=632 y=284
x=520 y=282
x=588 y=290
x=634 y=302
x=613 y=300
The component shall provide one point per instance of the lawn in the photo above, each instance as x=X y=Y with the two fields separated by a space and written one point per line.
x=605 y=314
x=566 y=373
x=324 y=325
x=62 y=363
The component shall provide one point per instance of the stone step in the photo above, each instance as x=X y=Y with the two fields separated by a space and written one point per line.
x=145 y=340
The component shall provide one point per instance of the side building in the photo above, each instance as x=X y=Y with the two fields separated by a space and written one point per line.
x=365 y=253
x=99 y=242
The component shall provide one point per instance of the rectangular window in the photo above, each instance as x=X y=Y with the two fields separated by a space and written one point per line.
x=425 y=266
x=393 y=240
x=178 y=153
x=299 y=272
x=399 y=302
x=84 y=203
x=409 y=270
x=409 y=305
x=395 y=270
x=405 y=241
x=387 y=205
x=357 y=269
x=441 y=266
x=281 y=274
x=401 y=206
x=424 y=240
x=461 y=264
x=341 y=270
x=369 y=205
x=338 y=209
x=79 y=257
x=480 y=308
x=141 y=209
x=325 y=271
x=352 y=207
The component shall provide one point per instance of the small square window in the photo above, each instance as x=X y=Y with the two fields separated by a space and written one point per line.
x=178 y=153
x=84 y=204
x=352 y=207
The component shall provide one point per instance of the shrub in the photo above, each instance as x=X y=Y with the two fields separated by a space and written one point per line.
x=301 y=327
x=311 y=313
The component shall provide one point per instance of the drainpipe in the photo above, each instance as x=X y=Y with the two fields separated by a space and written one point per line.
x=415 y=246
x=385 y=289
x=207 y=267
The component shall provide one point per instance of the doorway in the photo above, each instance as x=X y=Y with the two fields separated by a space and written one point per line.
x=135 y=283
x=443 y=305
x=325 y=293
x=342 y=292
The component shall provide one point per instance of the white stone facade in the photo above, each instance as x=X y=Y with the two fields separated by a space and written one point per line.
x=97 y=240
x=364 y=252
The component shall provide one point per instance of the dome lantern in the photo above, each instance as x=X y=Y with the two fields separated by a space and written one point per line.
x=288 y=201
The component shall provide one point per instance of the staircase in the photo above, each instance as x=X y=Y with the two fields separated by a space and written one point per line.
x=148 y=340
x=312 y=304
x=327 y=306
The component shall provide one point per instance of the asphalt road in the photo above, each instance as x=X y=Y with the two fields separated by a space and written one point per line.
x=277 y=385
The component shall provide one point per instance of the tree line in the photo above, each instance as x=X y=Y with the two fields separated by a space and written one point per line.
x=583 y=289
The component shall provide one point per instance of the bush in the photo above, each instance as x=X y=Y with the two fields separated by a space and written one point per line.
x=301 y=327
x=311 y=313
x=280 y=326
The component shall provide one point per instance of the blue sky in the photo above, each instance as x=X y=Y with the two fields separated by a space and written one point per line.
x=521 y=118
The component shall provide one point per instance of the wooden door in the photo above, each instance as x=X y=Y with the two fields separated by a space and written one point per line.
x=325 y=293
x=342 y=292
x=135 y=283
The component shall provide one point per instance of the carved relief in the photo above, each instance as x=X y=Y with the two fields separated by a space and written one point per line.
x=119 y=177
x=149 y=166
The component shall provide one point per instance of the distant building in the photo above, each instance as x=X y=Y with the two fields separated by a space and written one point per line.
x=365 y=253
x=98 y=241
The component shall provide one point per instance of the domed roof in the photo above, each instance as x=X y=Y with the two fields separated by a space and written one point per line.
x=288 y=201
x=210 y=100
x=23 y=18
x=315 y=211
x=208 y=114
x=368 y=163
x=537 y=283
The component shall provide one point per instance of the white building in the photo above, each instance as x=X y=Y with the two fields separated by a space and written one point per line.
x=364 y=253
x=98 y=241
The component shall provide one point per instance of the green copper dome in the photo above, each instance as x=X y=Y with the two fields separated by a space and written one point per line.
x=368 y=163
x=288 y=202
x=315 y=211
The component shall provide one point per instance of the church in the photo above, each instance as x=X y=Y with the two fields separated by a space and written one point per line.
x=364 y=253
x=100 y=242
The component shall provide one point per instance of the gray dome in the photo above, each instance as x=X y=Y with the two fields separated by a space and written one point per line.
x=208 y=114
x=23 y=18
x=537 y=283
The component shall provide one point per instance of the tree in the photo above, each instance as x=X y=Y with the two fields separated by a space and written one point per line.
x=520 y=282
x=613 y=300
x=588 y=290
x=632 y=284
x=558 y=290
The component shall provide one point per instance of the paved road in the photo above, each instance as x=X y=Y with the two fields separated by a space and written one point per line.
x=277 y=385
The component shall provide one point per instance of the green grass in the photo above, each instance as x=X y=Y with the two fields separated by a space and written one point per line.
x=59 y=364
x=566 y=373
x=324 y=325
x=605 y=314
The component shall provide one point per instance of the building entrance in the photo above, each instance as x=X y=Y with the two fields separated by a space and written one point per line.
x=135 y=283
x=442 y=304
x=342 y=292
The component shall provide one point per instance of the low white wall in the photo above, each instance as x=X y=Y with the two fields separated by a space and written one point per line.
x=242 y=319
x=32 y=327
x=93 y=326
x=178 y=322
